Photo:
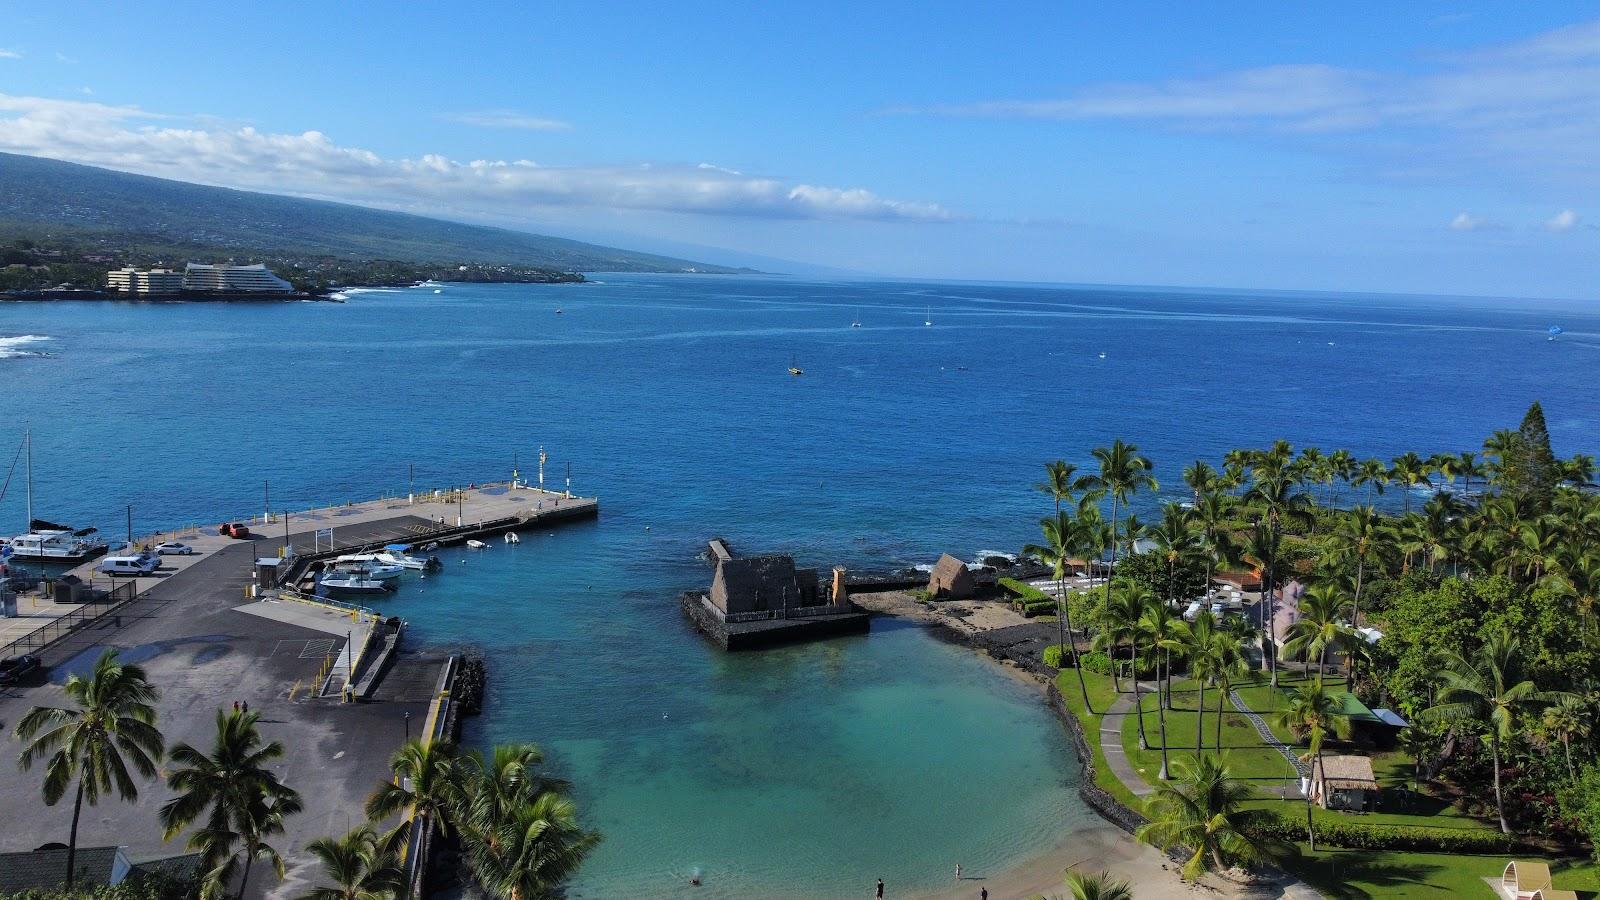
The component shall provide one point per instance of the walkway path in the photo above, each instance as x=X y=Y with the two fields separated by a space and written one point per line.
x=1111 y=744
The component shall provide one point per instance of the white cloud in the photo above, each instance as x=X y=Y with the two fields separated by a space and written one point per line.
x=1532 y=107
x=1566 y=220
x=1468 y=222
x=9 y=54
x=312 y=164
x=505 y=118
x=63 y=58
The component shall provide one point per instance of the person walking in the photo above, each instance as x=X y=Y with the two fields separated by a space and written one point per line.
x=958 y=871
x=983 y=894
x=880 y=889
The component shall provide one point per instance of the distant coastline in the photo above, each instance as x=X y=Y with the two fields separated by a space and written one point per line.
x=326 y=294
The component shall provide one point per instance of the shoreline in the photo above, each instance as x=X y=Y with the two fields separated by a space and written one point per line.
x=1105 y=846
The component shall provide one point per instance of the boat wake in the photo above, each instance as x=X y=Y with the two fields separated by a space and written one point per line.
x=15 y=347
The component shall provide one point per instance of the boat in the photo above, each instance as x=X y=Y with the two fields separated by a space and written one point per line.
x=794 y=367
x=477 y=545
x=438 y=290
x=57 y=545
x=369 y=570
x=927 y=317
x=355 y=583
x=559 y=311
x=857 y=322
x=392 y=555
x=512 y=538
x=47 y=541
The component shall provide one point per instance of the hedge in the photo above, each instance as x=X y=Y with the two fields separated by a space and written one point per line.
x=1092 y=662
x=1024 y=591
x=1361 y=836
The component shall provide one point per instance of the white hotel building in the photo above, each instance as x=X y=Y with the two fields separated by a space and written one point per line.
x=199 y=278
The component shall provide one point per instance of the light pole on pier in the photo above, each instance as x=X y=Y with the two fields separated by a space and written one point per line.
x=411 y=483
x=130 y=527
x=542 y=458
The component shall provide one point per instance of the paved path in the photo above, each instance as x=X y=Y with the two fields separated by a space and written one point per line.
x=1111 y=744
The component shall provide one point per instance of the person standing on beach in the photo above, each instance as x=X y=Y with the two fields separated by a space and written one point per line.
x=958 y=871
x=880 y=889
x=983 y=894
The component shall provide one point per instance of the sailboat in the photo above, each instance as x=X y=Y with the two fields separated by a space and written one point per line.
x=927 y=318
x=794 y=367
x=47 y=541
x=857 y=322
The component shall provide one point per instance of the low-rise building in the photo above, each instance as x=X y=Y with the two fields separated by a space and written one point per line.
x=152 y=281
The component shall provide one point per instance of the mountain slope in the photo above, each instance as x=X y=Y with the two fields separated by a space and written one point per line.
x=37 y=193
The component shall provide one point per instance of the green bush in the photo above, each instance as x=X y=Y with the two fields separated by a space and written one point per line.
x=1097 y=662
x=1052 y=656
x=1361 y=836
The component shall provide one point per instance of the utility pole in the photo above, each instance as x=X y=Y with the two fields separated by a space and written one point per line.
x=130 y=526
x=569 y=480
x=266 y=501
x=542 y=458
x=411 y=483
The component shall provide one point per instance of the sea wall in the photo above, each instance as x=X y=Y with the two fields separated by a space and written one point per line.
x=768 y=633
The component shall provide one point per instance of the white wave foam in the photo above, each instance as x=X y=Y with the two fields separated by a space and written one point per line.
x=11 y=347
x=983 y=554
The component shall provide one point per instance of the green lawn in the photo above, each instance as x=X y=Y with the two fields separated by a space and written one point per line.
x=1362 y=874
x=1353 y=874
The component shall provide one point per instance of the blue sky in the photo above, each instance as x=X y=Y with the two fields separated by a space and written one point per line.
x=1430 y=147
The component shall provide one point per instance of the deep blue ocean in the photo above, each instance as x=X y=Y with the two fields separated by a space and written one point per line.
x=811 y=770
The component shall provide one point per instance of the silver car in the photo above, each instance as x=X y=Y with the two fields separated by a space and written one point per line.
x=173 y=548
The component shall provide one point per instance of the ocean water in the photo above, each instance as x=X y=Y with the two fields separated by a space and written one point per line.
x=807 y=771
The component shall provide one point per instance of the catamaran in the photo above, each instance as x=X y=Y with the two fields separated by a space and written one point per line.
x=47 y=541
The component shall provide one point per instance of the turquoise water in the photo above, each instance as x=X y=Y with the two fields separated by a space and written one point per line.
x=806 y=771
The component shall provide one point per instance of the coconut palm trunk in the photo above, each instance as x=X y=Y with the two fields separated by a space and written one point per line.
x=1138 y=698
x=72 y=836
x=1200 y=719
x=1499 y=804
x=1161 y=722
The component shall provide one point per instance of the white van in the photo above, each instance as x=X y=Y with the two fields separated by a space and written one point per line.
x=143 y=564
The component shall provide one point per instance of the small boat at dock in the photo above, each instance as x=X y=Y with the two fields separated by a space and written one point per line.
x=476 y=544
x=354 y=582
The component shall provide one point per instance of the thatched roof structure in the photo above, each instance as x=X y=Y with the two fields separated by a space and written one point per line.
x=1347 y=773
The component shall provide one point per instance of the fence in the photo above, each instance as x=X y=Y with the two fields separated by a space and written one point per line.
x=45 y=635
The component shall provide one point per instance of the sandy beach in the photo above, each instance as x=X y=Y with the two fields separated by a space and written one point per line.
x=1102 y=847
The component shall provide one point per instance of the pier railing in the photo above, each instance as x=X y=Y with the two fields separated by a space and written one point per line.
x=45 y=635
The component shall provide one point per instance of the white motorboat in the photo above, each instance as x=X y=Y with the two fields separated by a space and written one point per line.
x=369 y=570
x=391 y=555
x=511 y=538
x=355 y=583
x=477 y=545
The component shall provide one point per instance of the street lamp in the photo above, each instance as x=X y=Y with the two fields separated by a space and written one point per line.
x=408 y=726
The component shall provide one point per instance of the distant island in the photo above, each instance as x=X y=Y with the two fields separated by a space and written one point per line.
x=64 y=226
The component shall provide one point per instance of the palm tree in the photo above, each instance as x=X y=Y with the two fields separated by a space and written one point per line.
x=1211 y=516
x=1202 y=810
x=427 y=779
x=1320 y=627
x=1201 y=478
x=534 y=851
x=1487 y=688
x=1100 y=886
x=1118 y=622
x=1409 y=469
x=1177 y=542
x=495 y=786
x=360 y=865
x=1062 y=483
x=1341 y=466
x=1162 y=631
x=1062 y=537
x=247 y=802
x=1359 y=536
x=111 y=725
x=1468 y=466
x=1123 y=472
x=1273 y=491
x=1372 y=474
x=1230 y=664
x=1568 y=718
x=1200 y=649
x=1312 y=711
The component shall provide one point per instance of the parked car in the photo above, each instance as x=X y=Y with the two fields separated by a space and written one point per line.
x=173 y=548
x=17 y=668
x=236 y=530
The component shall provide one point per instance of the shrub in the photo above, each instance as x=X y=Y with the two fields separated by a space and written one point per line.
x=1053 y=656
x=1097 y=662
x=1361 y=836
